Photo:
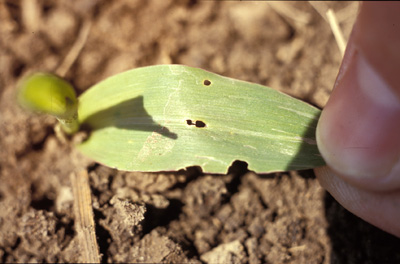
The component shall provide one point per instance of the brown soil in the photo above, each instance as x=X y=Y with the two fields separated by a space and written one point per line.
x=184 y=216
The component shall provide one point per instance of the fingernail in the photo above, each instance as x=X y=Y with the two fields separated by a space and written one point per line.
x=359 y=130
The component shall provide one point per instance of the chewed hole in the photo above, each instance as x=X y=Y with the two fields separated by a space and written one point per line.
x=200 y=124
x=197 y=123
x=207 y=82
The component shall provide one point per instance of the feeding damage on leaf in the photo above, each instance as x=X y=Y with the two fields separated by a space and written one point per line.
x=207 y=82
x=197 y=123
x=139 y=122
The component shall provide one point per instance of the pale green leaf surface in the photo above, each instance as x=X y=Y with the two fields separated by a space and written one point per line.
x=145 y=120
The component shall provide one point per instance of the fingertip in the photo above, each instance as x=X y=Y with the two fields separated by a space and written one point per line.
x=377 y=208
x=358 y=132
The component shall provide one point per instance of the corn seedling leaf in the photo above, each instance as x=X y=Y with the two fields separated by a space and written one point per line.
x=168 y=117
x=46 y=93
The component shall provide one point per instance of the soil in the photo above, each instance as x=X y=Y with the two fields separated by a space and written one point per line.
x=183 y=216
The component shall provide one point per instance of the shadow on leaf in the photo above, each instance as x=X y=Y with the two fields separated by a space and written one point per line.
x=307 y=149
x=129 y=114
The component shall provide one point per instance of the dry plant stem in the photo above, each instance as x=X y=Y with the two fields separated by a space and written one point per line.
x=85 y=226
x=329 y=16
x=76 y=49
x=337 y=32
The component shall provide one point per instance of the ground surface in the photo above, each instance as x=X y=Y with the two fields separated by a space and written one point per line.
x=183 y=216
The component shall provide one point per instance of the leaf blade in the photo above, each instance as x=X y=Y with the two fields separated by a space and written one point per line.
x=147 y=122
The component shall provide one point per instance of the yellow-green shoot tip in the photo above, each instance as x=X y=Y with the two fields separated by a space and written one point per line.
x=49 y=94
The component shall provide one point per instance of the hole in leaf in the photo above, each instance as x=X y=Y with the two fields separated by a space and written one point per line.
x=238 y=167
x=207 y=82
x=198 y=123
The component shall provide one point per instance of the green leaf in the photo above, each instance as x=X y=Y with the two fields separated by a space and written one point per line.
x=49 y=94
x=168 y=117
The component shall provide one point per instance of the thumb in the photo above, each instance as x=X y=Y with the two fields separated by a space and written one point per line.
x=358 y=133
